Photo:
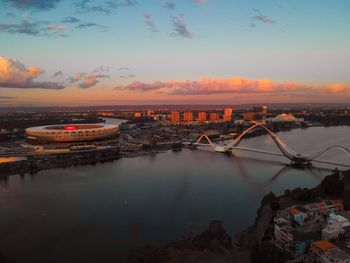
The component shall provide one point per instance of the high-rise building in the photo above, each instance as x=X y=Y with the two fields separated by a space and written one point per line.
x=175 y=116
x=228 y=114
x=188 y=116
x=249 y=116
x=137 y=114
x=214 y=116
x=264 y=111
x=150 y=113
x=202 y=116
x=260 y=112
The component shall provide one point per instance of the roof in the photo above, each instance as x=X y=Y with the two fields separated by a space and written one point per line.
x=337 y=203
x=338 y=218
x=284 y=118
x=67 y=127
x=336 y=253
x=345 y=214
x=324 y=245
x=322 y=206
x=301 y=209
x=307 y=232
x=294 y=211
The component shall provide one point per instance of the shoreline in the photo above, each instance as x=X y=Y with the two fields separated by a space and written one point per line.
x=35 y=163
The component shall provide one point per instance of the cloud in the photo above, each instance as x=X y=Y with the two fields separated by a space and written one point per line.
x=56 y=27
x=199 y=1
x=207 y=86
x=169 y=5
x=180 y=28
x=102 y=7
x=127 y=76
x=33 y=28
x=336 y=88
x=13 y=74
x=83 y=25
x=102 y=69
x=100 y=28
x=265 y=19
x=124 y=69
x=259 y=17
x=90 y=80
x=33 y=4
x=147 y=19
x=70 y=20
x=85 y=80
x=7 y=97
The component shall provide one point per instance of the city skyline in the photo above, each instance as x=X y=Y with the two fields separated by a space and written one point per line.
x=87 y=52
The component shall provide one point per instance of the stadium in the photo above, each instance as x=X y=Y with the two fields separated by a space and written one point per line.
x=72 y=132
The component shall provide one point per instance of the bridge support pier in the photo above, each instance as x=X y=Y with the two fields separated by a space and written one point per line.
x=298 y=164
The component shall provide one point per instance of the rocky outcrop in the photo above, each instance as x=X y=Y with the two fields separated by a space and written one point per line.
x=213 y=245
x=255 y=244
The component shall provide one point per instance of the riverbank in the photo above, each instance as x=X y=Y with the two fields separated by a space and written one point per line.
x=35 y=163
x=255 y=244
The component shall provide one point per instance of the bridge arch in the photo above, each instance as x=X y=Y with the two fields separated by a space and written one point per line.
x=337 y=147
x=204 y=136
x=285 y=150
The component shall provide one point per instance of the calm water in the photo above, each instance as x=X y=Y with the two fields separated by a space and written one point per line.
x=97 y=213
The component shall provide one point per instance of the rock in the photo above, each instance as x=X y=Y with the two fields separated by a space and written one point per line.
x=214 y=238
x=213 y=245
x=269 y=198
x=332 y=185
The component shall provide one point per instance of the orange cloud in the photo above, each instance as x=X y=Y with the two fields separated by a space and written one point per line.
x=89 y=80
x=336 y=88
x=55 y=27
x=206 y=86
x=13 y=74
x=215 y=86
x=34 y=72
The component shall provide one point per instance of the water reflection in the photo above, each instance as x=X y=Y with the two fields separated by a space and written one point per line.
x=315 y=172
x=4 y=181
x=246 y=176
x=239 y=162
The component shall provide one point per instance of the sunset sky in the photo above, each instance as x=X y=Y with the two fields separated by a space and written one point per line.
x=119 y=52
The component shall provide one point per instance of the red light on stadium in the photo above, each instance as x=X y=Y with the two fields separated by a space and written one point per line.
x=70 y=128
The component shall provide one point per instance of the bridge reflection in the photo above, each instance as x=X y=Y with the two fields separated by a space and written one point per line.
x=263 y=186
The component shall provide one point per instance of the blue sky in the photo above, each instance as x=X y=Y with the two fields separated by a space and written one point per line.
x=288 y=41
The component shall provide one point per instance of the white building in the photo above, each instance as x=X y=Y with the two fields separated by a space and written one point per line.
x=335 y=255
x=335 y=227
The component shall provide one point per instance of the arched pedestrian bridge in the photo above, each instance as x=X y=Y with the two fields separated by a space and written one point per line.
x=286 y=151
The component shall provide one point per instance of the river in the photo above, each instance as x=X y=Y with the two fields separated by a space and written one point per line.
x=98 y=213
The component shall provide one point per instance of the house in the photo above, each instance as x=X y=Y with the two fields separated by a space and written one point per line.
x=283 y=235
x=339 y=219
x=296 y=239
x=297 y=215
x=335 y=227
x=336 y=255
x=323 y=208
x=318 y=249
x=304 y=236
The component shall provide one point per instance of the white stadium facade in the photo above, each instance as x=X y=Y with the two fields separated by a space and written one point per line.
x=72 y=132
